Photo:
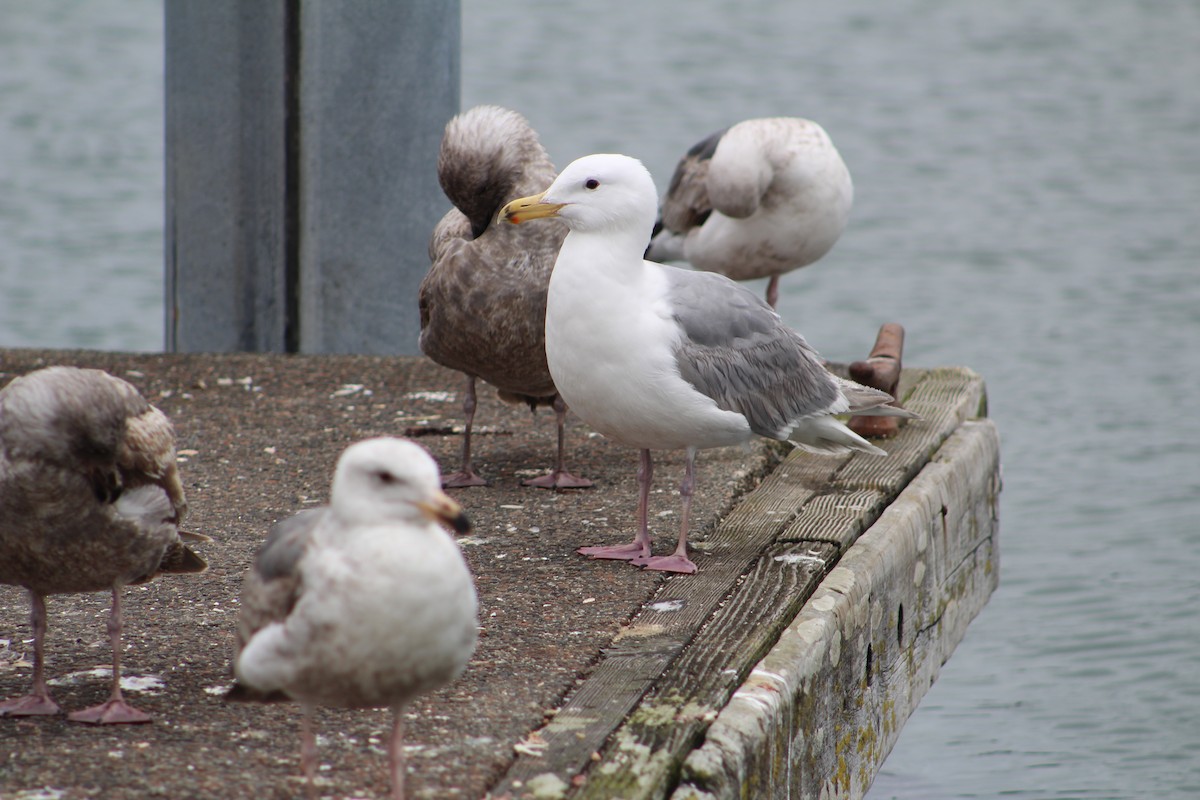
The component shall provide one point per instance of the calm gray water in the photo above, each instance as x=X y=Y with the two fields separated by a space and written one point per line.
x=1028 y=204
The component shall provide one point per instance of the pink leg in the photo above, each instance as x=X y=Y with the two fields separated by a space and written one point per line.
x=678 y=561
x=466 y=476
x=38 y=702
x=640 y=546
x=308 y=749
x=396 y=755
x=115 y=710
x=773 y=291
x=559 y=478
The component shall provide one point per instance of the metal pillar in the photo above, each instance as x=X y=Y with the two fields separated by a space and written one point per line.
x=301 y=185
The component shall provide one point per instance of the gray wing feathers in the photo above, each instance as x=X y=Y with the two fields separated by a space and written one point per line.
x=737 y=351
x=272 y=586
x=687 y=203
x=151 y=509
x=285 y=544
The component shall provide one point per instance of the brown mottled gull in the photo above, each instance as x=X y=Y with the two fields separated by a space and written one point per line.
x=90 y=499
x=756 y=200
x=363 y=603
x=663 y=358
x=483 y=303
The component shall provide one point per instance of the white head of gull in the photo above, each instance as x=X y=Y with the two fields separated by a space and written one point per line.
x=90 y=500
x=483 y=303
x=658 y=357
x=756 y=200
x=366 y=602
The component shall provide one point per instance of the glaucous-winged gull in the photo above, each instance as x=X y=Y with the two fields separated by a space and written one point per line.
x=366 y=602
x=758 y=199
x=90 y=499
x=658 y=357
x=483 y=303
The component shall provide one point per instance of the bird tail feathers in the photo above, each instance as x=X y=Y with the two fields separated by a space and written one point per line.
x=887 y=411
x=829 y=436
x=867 y=402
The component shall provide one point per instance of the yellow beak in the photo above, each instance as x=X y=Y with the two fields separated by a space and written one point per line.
x=441 y=508
x=526 y=208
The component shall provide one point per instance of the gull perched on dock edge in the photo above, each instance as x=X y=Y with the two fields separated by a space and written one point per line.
x=483 y=303
x=663 y=358
x=90 y=499
x=756 y=200
x=366 y=602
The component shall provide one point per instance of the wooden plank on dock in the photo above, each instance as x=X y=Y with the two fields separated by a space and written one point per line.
x=823 y=709
x=944 y=398
x=642 y=652
x=644 y=757
x=627 y=730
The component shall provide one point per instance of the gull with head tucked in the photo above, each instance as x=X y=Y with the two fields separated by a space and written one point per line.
x=663 y=358
x=90 y=500
x=756 y=200
x=483 y=303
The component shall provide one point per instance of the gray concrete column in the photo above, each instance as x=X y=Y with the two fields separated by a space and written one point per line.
x=301 y=188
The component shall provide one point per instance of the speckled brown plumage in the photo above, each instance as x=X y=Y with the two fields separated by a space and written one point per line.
x=90 y=500
x=483 y=303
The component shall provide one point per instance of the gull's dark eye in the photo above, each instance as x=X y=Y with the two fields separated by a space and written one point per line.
x=386 y=478
x=591 y=183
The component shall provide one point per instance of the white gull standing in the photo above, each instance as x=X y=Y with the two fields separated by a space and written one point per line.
x=364 y=603
x=758 y=199
x=90 y=500
x=663 y=358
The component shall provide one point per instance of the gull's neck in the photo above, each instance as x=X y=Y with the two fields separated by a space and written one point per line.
x=615 y=251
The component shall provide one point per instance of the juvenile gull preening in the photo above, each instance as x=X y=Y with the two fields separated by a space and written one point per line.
x=756 y=200
x=90 y=499
x=364 y=603
x=483 y=303
x=658 y=357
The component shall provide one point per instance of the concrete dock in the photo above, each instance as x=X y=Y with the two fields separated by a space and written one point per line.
x=830 y=591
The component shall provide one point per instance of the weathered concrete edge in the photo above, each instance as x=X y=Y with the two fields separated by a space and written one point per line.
x=804 y=723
